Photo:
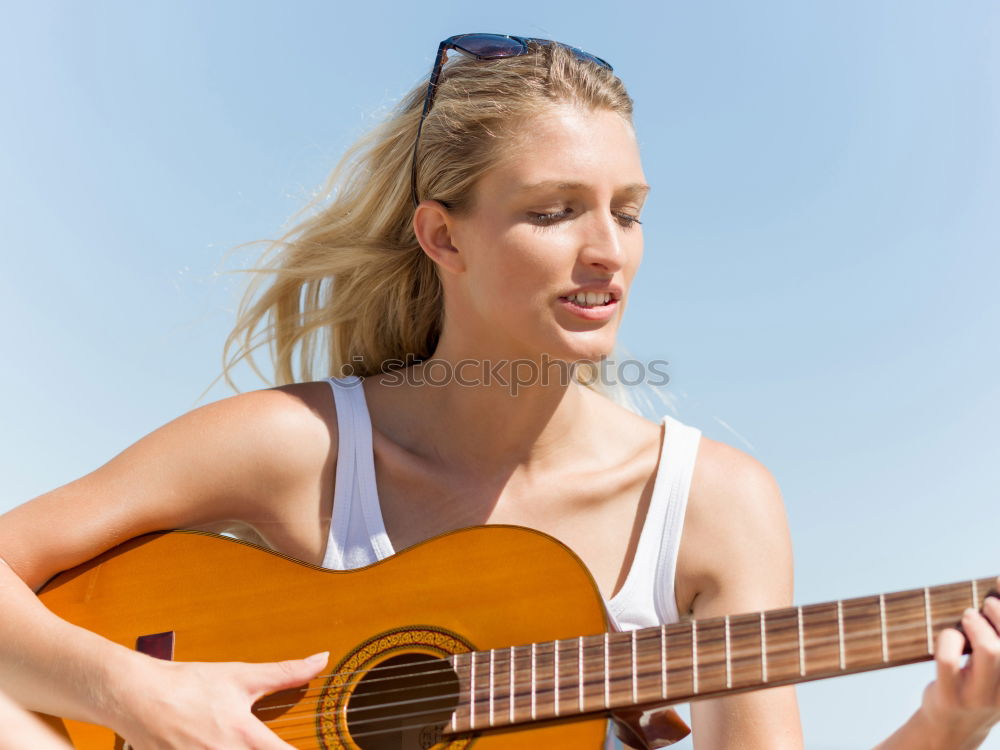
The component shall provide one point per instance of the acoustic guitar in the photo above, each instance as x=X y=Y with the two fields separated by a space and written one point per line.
x=489 y=637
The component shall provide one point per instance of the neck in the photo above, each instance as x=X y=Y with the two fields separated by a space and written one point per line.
x=490 y=416
x=705 y=658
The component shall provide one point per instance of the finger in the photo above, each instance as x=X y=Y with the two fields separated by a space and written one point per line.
x=985 y=657
x=948 y=658
x=279 y=675
x=263 y=738
x=991 y=611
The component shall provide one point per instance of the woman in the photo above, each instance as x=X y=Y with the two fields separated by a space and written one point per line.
x=490 y=228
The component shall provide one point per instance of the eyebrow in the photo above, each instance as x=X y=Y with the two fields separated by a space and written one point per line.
x=637 y=188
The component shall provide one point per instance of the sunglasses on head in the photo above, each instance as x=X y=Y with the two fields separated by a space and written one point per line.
x=481 y=47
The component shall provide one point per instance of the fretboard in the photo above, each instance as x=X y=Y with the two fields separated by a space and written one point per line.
x=705 y=658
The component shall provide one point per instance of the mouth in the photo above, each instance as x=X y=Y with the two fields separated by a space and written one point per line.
x=590 y=300
x=592 y=306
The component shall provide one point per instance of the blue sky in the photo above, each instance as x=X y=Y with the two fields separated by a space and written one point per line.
x=821 y=242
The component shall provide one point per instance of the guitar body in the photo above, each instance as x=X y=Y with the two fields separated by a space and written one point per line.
x=226 y=600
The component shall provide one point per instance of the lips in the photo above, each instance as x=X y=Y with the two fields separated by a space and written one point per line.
x=598 y=312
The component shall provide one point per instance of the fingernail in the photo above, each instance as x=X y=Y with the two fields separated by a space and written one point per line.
x=969 y=612
x=317 y=659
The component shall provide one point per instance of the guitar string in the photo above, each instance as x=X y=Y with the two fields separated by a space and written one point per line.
x=522 y=662
x=309 y=721
x=599 y=647
x=525 y=657
x=596 y=684
x=540 y=681
x=521 y=665
x=403 y=728
x=545 y=685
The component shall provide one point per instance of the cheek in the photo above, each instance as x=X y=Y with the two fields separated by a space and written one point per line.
x=520 y=270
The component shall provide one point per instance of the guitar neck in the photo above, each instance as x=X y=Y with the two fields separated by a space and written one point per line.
x=705 y=658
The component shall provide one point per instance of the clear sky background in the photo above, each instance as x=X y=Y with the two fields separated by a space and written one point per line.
x=821 y=242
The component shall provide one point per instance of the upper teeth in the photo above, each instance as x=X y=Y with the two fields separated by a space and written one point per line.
x=590 y=298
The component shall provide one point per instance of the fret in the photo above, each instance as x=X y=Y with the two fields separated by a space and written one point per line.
x=729 y=657
x=635 y=672
x=802 y=645
x=881 y=623
x=782 y=627
x=862 y=637
x=607 y=676
x=929 y=620
x=555 y=679
x=821 y=629
x=711 y=649
x=694 y=655
x=747 y=658
x=663 y=662
x=763 y=648
x=512 y=694
x=492 y=687
x=680 y=678
x=580 y=682
x=534 y=713
x=840 y=635
x=472 y=690
x=455 y=662
x=975 y=594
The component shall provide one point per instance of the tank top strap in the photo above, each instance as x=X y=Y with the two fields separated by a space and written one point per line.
x=684 y=441
x=357 y=534
x=647 y=597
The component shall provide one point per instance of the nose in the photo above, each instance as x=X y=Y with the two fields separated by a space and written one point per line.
x=602 y=244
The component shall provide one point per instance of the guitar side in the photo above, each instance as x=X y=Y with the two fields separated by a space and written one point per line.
x=227 y=600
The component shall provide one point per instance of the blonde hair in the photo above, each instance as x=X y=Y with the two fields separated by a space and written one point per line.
x=349 y=289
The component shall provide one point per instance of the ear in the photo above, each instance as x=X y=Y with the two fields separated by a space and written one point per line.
x=433 y=225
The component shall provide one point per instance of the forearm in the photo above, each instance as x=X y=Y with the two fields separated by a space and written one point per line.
x=921 y=733
x=49 y=665
x=21 y=730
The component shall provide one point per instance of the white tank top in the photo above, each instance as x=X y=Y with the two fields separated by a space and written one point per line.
x=358 y=537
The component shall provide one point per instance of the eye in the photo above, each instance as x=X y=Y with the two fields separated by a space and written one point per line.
x=545 y=220
x=627 y=220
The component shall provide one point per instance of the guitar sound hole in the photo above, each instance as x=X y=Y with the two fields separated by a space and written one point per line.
x=403 y=703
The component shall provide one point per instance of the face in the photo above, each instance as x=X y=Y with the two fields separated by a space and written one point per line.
x=554 y=220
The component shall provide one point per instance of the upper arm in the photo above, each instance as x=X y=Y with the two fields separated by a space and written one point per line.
x=250 y=458
x=736 y=556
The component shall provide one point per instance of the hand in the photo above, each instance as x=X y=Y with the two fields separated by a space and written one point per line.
x=201 y=705
x=964 y=702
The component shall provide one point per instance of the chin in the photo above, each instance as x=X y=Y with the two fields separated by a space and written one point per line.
x=588 y=349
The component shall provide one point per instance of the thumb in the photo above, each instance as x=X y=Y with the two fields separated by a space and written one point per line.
x=280 y=675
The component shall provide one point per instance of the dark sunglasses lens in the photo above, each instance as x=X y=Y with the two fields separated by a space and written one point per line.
x=488 y=45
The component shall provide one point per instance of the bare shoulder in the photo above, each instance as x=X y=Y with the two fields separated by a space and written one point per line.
x=736 y=556
x=735 y=550
x=239 y=459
